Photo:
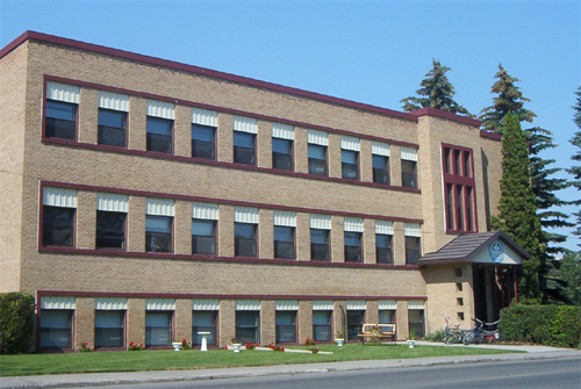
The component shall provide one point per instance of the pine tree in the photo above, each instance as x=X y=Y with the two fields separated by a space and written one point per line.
x=509 y=99
x=576 y=170
x=436 y=92
x=517 y=208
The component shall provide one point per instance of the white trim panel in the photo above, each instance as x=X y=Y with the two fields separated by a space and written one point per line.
x=63 y=92
x=160 y=207
x=287 y=305
x=205 y=305
x=58 y=302
x=416 y=305
x=283 y=131
x=353 y=224
x=409 y=154
x=204 y=117
x=246 y=215
x=318 y=137
x=350 y=143
x=386 y=304
x=248 y=305
x=285 y=218
x=59 y=197
x=356 y=305
x=161 y=109
x=206 y=211
x=160 y=305
x=378 y=148
x=244 y=124
x=384 y=227
x=112 y=202
x=111 y=303
x=321 y=222
x=412 y=229
x=114 y=101
x=322 y=305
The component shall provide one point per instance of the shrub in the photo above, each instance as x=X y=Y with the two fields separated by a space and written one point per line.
x=551 y=325
x=16 y=322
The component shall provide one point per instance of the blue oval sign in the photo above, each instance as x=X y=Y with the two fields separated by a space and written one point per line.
x=496 y=251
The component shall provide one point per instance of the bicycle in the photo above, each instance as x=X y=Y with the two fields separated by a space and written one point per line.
x=452 y=334
x=480 y=332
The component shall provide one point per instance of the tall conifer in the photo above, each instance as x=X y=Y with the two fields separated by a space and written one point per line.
x=575 y=170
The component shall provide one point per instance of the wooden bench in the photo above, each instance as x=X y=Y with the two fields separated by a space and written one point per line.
x=376 y=333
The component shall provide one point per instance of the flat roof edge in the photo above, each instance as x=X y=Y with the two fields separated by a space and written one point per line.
x=427 y=111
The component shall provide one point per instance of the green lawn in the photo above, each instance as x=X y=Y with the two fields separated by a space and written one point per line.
x=93 y=362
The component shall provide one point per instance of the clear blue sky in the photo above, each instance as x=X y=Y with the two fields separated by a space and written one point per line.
x=375 y=52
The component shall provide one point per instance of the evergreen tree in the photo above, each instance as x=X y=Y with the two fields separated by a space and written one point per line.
x=517 y=208
x=567 y=278
x=576 y=170
x=509 y=99
x=436 y=92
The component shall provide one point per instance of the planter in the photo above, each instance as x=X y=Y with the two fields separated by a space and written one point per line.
x=411 y=343
x=340 y=342
x=177 y=346
x=237 y=347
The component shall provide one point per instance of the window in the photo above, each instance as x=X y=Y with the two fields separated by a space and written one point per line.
x=355 y=320
x=319 y=245
x=286 y=327
x=158 y=328
x=158 y=234
x=109 y=328
x=282 y=154
x=159 y=135
x=408 y=174
x=387 y=316
x=204 y=321
x=416 y=322
x=383 y=248
x=245 y=239
x=350 y=164
x=381 y=169
x=56 y=328
x=412 y=250
x=248 y=326
x=353 y=249
x=112 y=127
x=322 y=326
x=318 y=159
x=284 y=242
x=203 y=236
x=244 y=148
x=61 y=120
x=57 y=226
x=459 y=189
x=111 y=230
x=203 y=141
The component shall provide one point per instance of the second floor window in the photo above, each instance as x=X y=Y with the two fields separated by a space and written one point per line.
x=319 y=245
x=245 y=240
x=317 y=159
x=353 y=247
x=383 y=248
x=409 y=174
x=282 y=154
x=112 y=127
x=203 y=141
x=381 y=169
x=158 y=234
x=111 y=230
x=159 y=135
x=244 y=148
x=61 y=120
x=203 y=236
x=284 y=242
x=412 y=250
x=350 y=164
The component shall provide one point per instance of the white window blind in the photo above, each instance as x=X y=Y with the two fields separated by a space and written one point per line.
x=58 y=302
x=353 y=224
x=285 y=218
x=409 y=154
x=322 y=305
x=160 y=305
x=416 y=305
x=246 y=215
x=114 y=101
x=378 y=148
x=384 y=227
x=59 y=197
x=204 y=117
x=205 y=305
x=318 y=137
x=244 y=124
x=321 y=222
x=63 y=92
x=287 y=305
x=205 y=211
x=248 y=305
x=160 y=207
x=387 y=304
x=356 y=305
x=283 y=131
x=412 y=229
x=349 y=143
x=110 y=303
x=112 y=202
x=161 y=109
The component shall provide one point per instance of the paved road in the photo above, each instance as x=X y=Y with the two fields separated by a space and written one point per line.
x=562 y=374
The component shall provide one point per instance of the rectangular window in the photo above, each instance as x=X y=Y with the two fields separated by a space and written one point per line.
x=459 y=187
x=56 y=329
x=409 y=174
x=159 y=135
x=383 y=249
x=109 y=328
x=158 y=328
x=318 y=159
x=353 y=246
x=110 y=230
x=286 y=330
x=322 y=326
x=350 y=164
x=244 y=148
x=381 y=169
x=282 y=154
x=158 y=234
x=203 y=141
x=416 y=322
x=61 y=120
x=319 y=245
x=387 y=316
x=204 y=321
x=248 y=326
x=245 y=240
x=355 y=320
x=58 y=226
x=459 y=201
x=412 y=250
x=203 y=236
x=111 y=129
x=284 y=242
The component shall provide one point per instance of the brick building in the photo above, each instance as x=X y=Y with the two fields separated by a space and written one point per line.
x=146 y=200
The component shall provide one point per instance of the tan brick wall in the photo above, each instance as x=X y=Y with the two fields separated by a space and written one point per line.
x=183 y=320
x=267 y=322
x=84 y=322
x=304 y=321
x=135 y=320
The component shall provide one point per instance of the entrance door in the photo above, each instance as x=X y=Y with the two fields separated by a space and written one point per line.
x=493 y=290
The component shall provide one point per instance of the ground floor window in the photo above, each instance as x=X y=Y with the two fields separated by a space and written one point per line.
x=387 y=316
x=56 y=328
x=109 y=328
x=158 y=328
x=355 y=320
x=204 y=321
x=416 y=322
x=248 y=326
x=286 y=329
x=322 y=326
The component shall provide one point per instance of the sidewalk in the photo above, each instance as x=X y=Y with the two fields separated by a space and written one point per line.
x=101 y=379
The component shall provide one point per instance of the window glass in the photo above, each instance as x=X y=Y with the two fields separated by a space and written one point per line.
x=61 y=120
x=408 y=174
x=459 y=185
x=317 y=159
x=204 y=321
x=282 y=154
x=111 y=230
x=159 y=135
x=319 y=245
x=158 y=328
x=416 y=322
x=322 y=326
x=109 y=328
x=353 y=251
x=459 y=208
x=203 y=236
x=111 y=127
x=284 y=242
x=350 y=164
x=412 y=250
x=387 y=316
x=286 y=327
x=244 y=145
x=245 y=240
x=383 y=248
x=355 y=320
x=247 y=326
x=203 y=141
x=158 y=233
x=56 y=328
x=381 y=169
x=57 y=226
